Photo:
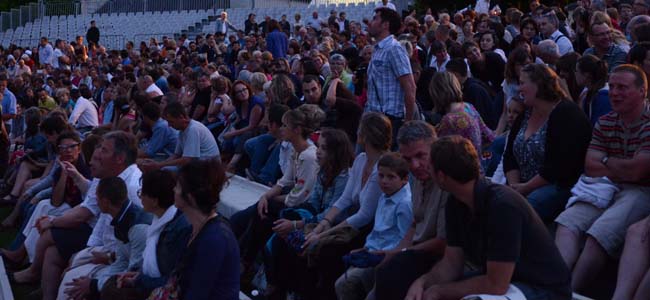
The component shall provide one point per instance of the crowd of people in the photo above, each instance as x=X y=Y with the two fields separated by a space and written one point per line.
x=424 y=156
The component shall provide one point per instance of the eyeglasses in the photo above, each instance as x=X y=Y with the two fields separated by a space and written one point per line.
x=67 y=147
x=602 y=34
x=241 y=91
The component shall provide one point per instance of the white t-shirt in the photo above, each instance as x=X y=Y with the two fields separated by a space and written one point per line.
x=57 y=54
x=388 y=4
x=84 y=114
x=153 y=88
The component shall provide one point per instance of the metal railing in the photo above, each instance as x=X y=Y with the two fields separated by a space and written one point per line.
x=145 y=37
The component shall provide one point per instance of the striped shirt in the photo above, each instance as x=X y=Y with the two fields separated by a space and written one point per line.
x=389 y=62
x=611 y=136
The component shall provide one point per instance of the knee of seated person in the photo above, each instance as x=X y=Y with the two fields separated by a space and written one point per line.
x=638 y=230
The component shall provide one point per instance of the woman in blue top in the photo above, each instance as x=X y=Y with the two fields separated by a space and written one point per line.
x=591 y=73
x=250 y=110
x=209 y=268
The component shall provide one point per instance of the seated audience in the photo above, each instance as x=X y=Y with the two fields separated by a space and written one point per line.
x=162 y=139
x=591 y=73
x=393 y=220
x=195 y=141
x=547 y=144
x=516 y=256
x=619 y=150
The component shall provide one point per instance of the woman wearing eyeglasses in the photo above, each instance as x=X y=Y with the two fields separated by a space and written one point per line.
x=71 y=181
x=250 y=111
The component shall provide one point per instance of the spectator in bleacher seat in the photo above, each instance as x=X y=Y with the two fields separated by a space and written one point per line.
x=516 y=257
x=591 y=74
x=195 y=141
x=640 y=7
x=61 y=237
x=488 y=67
x=456 y=116
x=393 y=219
x=549 y=25
x=547 y=53
x=276 y=41
x=162 y=140
x=9 y=103
x=619 y=150
x=600 y=35
x=424 y=244
x=92 y=35
x=489 y=41
x=440 y=57
x=84 y=115
x=249 y=111
x=129 y=224
x=264 y=150
x=283 y=264
x=351 y=216
x=166 y=241
x=547 y=144
x=391 y=87
x=223 y=24
x=253 y=226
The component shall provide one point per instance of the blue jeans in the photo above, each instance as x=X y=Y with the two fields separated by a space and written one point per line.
x=264 y=161
x=548 y=201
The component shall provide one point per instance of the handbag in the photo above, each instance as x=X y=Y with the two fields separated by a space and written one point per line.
x=169 y=291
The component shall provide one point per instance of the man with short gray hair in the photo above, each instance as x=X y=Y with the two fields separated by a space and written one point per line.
x=548 y=53
x=424 y=243
x=548 y=25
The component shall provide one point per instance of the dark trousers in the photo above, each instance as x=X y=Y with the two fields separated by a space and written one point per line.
x=396 y=123
x=394 y=278
x=253 y=231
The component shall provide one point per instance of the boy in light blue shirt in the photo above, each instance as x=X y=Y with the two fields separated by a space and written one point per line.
x=393 y=219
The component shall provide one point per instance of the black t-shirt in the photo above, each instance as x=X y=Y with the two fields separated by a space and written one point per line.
x=202 y=98
x=491 y=70
x=505 y=228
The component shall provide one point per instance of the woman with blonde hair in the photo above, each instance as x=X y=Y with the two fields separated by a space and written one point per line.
x=299 y=177
x=457 y=117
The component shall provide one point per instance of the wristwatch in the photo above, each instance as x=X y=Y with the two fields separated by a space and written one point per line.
x=604 y=160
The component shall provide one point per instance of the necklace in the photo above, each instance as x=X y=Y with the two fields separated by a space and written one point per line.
x=198 y=230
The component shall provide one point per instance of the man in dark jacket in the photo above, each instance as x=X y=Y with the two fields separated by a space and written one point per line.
x=92 y=36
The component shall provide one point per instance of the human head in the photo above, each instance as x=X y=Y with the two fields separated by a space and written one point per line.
x=375 y=130
x=157 y=190
x=393 y=172
x=276 y=112
x=414 y=139
x=281 y=89
x=199 y=185
x=516 y=60
x=600 y=35
x=68 y=144
x=472 y=52
x=539 y=82
x=117 y=151
x=311 y=89
x=548 y=23
x=458 y=68
x=445 y=89
x=176 y=115
x=638 y=56
x=52 y=126
x=241 y=91
x=385 y=21
x=151 y=113
x=334 y=154
x=439 y=50
x=640 y=7
x=303 y=120
x=548 y=51
x=529 y=28
x=454 y=159
x=488 y=40
x=591 y=72
x=111 y=194
x=628 y=87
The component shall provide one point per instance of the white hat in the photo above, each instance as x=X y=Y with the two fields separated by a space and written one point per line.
x=25 y=56
x=28 y=52
x=10 y=57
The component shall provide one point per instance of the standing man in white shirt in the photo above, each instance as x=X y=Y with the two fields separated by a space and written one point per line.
x=45 y=52
x=385 y=3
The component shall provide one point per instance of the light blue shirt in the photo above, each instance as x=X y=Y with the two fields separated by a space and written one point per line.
x=196 y=141
x=9 y=104
x=163 y=139
x=393 y=219
x=108 y=113
x=389 y=62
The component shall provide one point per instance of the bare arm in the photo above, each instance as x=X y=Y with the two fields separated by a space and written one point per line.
x=59 y=189
x=495 y=282
x=408 y=85
x=253 y=121
x=73 y=217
